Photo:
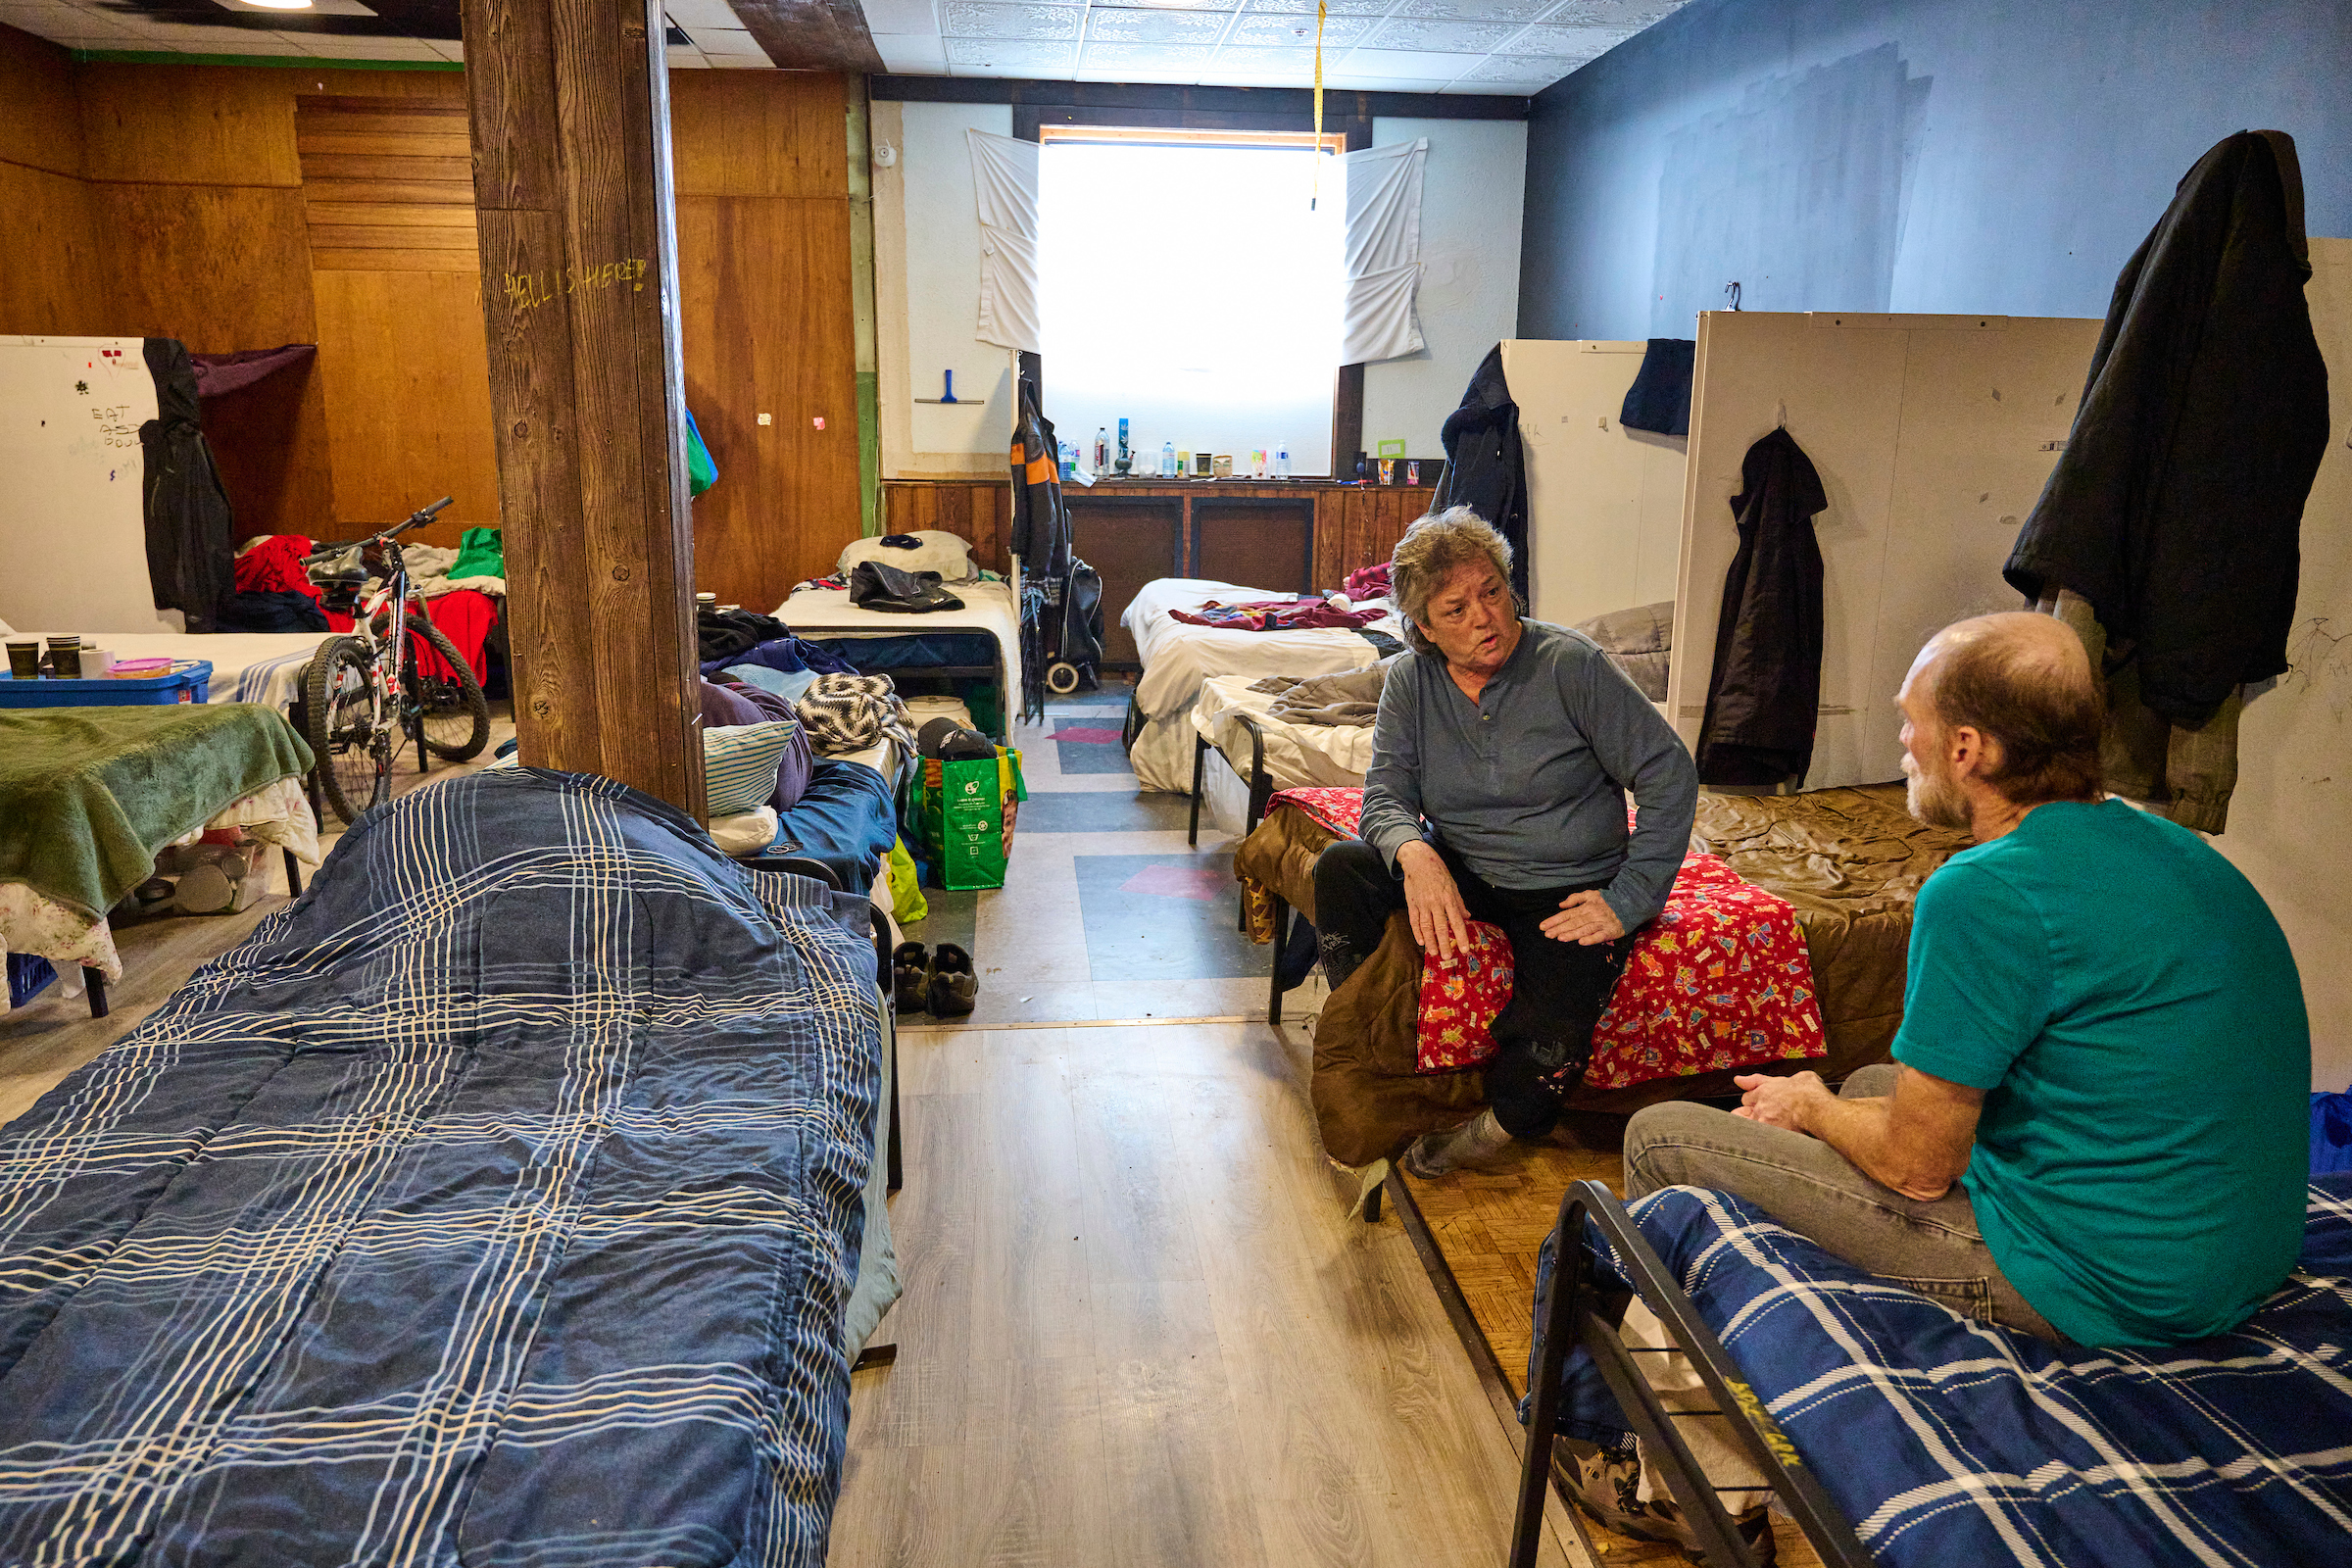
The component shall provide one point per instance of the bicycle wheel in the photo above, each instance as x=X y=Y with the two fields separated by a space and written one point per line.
x=354 y=752
x=455 y=715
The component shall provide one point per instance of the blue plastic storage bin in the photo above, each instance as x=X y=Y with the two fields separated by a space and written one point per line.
x=180 y=686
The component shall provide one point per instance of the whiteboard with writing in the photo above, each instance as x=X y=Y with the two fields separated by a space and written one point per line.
x=72 y=543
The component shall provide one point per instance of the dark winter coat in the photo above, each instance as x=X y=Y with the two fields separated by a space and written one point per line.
x=1764 y=697
x=191 y=554
x=1041 y=524
x=1485 y=468
x=2176 y=506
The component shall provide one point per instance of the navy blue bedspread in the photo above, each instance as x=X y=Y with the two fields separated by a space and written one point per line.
x=1947 y=1442
x=928 y=650
x=495 y=1203
x=846 y=821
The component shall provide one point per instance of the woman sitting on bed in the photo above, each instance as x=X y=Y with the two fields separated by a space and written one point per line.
x=1500 y=761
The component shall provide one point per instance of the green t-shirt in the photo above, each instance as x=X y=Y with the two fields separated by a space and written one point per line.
x=2131 y=1009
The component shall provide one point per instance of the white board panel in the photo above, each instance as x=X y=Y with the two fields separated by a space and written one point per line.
x=73 y=548
x=2294 y=751
x=1604 y=503
x=1927 y=431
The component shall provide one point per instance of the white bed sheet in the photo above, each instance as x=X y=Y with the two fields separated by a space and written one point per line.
x=1178 y=657
x=247 y=667
x=1297 y=756
x=988 y=606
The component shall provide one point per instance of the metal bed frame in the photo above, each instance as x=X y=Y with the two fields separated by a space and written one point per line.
x=1580 y=1312
x=1262 y=788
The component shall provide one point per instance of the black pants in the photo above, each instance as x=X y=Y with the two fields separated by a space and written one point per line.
x=1558 y=992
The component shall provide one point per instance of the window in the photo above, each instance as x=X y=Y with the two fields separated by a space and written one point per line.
x=1186 y=284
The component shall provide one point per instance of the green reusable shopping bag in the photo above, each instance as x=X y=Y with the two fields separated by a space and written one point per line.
x=967 y=818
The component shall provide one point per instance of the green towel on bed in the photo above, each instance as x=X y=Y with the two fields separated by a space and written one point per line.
x=88 y=794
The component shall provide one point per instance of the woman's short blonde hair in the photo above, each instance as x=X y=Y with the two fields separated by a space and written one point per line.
x=1432 y=548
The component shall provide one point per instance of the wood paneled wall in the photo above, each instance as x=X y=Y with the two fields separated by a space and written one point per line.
x=1355 y=525
x=763 y=287
x=244 y=208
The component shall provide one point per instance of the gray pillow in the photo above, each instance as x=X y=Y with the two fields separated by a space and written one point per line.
x=1640 y=640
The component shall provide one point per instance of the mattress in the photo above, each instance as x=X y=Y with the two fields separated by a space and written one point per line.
x=1944 y=1441
x=826 y=614
x=1178 y=657
x=498 y=1201
x=1295 y=754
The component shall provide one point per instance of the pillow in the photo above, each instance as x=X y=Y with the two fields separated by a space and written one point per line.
x=739 y=766
x=943 y=553
x=746 y=833
x=788 y=684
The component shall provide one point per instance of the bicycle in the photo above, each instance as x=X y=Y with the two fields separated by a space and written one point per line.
x=365 y=690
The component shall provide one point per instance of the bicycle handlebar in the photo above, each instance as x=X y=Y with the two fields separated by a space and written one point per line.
x=417 y=519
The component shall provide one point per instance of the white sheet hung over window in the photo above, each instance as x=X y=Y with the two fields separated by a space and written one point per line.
x=1005 y=178
x=1383 y=252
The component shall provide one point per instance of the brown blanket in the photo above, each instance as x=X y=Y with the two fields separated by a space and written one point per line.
x=1850 y=861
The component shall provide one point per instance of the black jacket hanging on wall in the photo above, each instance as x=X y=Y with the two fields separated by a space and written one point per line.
x=1040 y=524
x=191 y=552
x=1764 y=697
x=2177 y=506
x=1485 y=469
x=1659 y=400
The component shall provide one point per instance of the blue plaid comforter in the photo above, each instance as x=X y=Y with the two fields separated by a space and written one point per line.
x=1948 y=1441
x=495 y=1203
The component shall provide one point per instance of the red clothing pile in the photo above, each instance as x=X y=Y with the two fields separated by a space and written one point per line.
x=1277 y=614
x=1368 y=582
x=275 y=566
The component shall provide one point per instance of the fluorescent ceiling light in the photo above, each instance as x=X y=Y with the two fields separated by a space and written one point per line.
x=303 y=9
x=280 y=5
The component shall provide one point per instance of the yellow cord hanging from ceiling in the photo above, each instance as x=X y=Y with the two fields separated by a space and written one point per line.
x=1314 y=195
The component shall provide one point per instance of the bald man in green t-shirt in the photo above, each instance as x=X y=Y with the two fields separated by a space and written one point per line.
x=2096 y=1126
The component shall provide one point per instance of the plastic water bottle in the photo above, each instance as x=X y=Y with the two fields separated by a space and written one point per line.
x=1102 y=450
x=1282 y=461
x=1167 y=460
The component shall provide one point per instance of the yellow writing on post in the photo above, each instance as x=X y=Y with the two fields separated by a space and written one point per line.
x=527 y=292
x=1774 y=1438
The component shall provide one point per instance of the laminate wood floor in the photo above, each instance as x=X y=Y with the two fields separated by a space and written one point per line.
x=1140 y=1328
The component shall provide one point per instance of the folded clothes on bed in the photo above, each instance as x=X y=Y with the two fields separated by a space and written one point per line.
x=851 y=713
x=1305 y=613
x=1349 y=697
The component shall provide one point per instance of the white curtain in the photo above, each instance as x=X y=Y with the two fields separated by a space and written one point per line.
x=1005 y=179
x=1383 y=252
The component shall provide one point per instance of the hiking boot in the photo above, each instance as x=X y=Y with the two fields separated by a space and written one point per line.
x=910 y=976
x=1473 y=1145
x=954 y=987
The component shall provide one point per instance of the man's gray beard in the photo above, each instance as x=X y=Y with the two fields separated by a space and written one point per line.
x=1938 y=802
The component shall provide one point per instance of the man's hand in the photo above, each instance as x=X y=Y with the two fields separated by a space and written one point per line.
x=1585 y=919
x=1431 y=901
x=1778 y=1102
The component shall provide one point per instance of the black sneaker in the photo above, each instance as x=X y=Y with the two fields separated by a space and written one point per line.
x=910 y=976
x=954 y=987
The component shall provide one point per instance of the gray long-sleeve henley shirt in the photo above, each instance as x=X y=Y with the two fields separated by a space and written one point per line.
x=1528 y=783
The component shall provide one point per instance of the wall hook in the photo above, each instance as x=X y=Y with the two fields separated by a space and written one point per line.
x=1732 y=289
x=1784 y=414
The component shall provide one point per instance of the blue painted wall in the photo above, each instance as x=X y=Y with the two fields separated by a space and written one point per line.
x=1906 y=155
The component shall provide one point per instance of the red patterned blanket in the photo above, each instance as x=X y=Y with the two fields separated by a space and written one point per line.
x=1721 y=979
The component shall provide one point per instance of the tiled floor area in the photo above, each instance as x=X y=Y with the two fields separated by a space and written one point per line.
x=1107 y=912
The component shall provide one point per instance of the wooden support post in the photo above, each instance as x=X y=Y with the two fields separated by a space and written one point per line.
x=571 y=173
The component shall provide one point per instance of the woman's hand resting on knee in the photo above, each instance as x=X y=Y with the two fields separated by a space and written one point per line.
x=1585 y=918
x=1431 y=901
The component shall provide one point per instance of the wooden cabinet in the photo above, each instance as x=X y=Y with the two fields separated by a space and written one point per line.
x=1291 y=536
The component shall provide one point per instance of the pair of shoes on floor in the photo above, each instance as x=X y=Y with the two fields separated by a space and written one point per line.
x=940 y=981
x=1606 y=1485
x=1478 y=1144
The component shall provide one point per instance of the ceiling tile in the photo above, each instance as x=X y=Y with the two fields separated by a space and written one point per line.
x=1566 y=43
x=910 y=18
x=1404 y=63
x=1633 y=14
x=911 y=54
x=1260 y=29
x=1535 y=71
x=1306 y=8
x=739 y=63
x=1391 y=84
x=692 y=14
x=1144 y=59
x=1114 y=25
x=1274 y=62
x=1183 y=5
x=729 y=42
x=1435 y=36
x=1008 y=54
x=1474 y=10
x=965 y=18
x=687 y=59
